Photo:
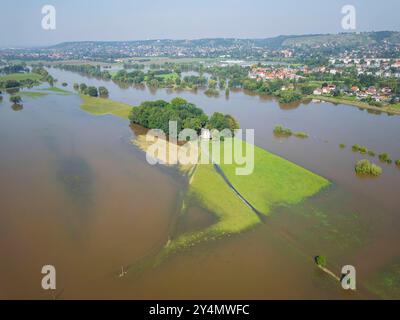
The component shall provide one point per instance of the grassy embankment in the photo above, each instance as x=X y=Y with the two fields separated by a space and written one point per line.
x=395 y=109
x=102 y=106
x=165 y=76
x=274 y=181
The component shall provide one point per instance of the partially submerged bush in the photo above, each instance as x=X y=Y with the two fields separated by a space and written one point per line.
x=211 y=92
x=363 y=150
x=342 y=146
x=15 y=99
x=301 y=135
x=360 y=149
x=321 y=261
x=281 y=131
x=365 y=167
x=355 y=147
x=397 y=162
x=371 y=153
x=384 y=157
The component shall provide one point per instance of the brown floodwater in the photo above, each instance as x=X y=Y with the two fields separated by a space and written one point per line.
x=76 y=194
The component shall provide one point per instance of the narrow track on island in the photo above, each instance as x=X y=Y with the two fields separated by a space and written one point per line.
x=259 y=214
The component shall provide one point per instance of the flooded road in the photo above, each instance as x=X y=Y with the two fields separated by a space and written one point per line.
x=75 y=193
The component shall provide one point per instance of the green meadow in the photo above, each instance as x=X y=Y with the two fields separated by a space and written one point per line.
x=20 y=77
x=386 y=282
x=32 y=94
x=102 y=106
x=57 y=90
x=172 y=75
x=274 y=180
x=209 y=190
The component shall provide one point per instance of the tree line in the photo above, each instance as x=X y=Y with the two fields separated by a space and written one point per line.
x=91 y=91
x=157 y=114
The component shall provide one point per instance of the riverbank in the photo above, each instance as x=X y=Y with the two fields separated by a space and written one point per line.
x=356 y=103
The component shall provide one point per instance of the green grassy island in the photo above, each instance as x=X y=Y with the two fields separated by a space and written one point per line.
x=101 y=106
x=236 y=201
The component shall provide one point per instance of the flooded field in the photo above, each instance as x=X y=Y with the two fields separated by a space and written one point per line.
x=77 y=194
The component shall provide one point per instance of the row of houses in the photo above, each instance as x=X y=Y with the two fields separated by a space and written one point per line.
x=379 y=95
x=273 y=73
x=325 y=90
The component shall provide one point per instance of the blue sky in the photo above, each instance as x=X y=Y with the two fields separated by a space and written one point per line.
x=78 y=20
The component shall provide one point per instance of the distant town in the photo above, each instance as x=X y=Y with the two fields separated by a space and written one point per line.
x=361 y=69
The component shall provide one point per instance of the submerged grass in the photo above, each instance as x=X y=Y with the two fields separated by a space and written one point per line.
x=211 y=192
x=32 y=94
x=101 y=106
x=386 y=282
x=57 y=90
x=21 y=77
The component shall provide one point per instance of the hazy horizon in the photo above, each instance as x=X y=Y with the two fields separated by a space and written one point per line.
x=124 y=20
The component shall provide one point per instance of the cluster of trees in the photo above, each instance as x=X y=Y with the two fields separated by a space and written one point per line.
x=44 y=74
x=87 y=69
x=194 y=82
x=221 y=121
x=14 y=84
x=10 y=84
x=228 y=76
x=362 y=150
x=288 y=96
x=133 y=77
x=91 y=90
x=365 y=167
x=269 y=87
x=286 y=132
x=384 y=157
x=15 y=99
x=14 y=68
x=163 y=78
x=160 y=78
x=157 y=114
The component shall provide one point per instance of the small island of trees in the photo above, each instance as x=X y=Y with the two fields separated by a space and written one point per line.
x=365 y=167
x=91 y=90
x=281 y=131
x=15 y=99
x=157 y=114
